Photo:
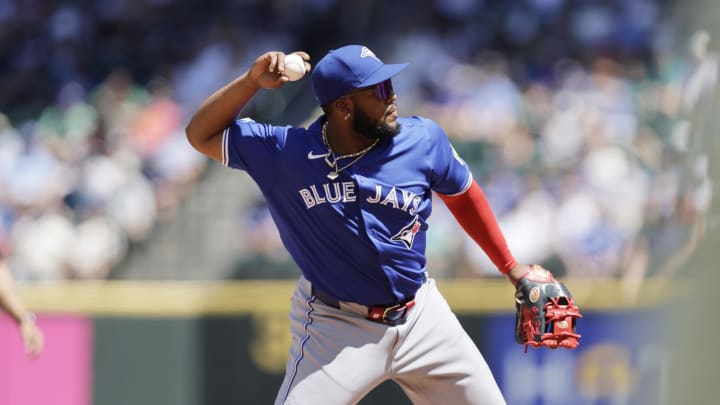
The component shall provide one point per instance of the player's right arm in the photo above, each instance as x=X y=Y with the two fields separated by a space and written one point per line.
x=217 y=112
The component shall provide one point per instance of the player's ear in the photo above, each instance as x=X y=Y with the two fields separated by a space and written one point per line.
x=342 y=106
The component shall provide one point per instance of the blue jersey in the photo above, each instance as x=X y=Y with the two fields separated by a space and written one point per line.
x=361 y=236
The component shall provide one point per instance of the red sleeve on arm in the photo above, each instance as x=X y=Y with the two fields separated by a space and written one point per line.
x=473 y=212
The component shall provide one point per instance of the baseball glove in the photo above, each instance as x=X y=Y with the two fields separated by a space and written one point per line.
x=546 y=314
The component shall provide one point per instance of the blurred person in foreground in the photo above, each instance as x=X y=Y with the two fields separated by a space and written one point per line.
x=11 y=303
x=351 y=196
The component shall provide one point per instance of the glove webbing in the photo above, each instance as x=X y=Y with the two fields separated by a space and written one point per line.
x=560 y=316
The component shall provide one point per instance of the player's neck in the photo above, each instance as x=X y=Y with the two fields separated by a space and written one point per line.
x=343 y=140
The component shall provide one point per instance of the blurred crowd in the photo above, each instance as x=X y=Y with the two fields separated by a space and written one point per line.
x=581 y=120
x=599 y=171
x=91 y=175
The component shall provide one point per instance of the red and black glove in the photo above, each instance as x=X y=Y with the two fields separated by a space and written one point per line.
x=546 y=314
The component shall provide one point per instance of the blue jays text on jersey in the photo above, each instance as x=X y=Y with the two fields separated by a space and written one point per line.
x=345 y=191
x=360 y=236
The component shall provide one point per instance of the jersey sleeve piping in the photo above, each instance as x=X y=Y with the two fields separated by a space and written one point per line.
x=225 y=140
x=466 y=187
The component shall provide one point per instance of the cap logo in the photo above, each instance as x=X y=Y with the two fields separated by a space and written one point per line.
x=366 y=52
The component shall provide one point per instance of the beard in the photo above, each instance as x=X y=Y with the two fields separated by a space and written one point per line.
x=363 y=124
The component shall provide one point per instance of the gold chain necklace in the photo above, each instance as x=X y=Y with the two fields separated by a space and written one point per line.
x=334 y=164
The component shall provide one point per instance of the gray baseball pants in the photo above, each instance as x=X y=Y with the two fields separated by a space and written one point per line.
x=338 y=356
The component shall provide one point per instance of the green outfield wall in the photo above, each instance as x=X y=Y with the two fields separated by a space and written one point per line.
x=193 y=343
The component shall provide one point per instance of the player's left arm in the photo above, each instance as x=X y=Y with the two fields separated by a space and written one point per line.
x=473 y=212
x=453 y=182
x=546 y=314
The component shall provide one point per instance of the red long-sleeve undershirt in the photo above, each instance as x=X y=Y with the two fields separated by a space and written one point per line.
x=472 y=211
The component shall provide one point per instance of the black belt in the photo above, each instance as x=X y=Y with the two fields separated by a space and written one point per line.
x=390 y=315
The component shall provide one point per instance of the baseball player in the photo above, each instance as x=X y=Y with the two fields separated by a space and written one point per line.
x=13 y=306
x=351 y=197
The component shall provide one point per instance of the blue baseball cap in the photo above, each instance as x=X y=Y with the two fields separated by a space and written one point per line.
x=347 y=68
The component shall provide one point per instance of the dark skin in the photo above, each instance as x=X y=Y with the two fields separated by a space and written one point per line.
x=354 y=118
x=360 y=106
x=204 y=132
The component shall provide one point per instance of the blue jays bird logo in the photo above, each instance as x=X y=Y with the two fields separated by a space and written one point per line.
x=365 y=52
x=408 y=232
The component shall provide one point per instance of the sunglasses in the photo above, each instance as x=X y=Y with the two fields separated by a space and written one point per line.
x=383 y=90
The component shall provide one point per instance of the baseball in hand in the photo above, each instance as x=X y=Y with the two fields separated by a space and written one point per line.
x=294 y=67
